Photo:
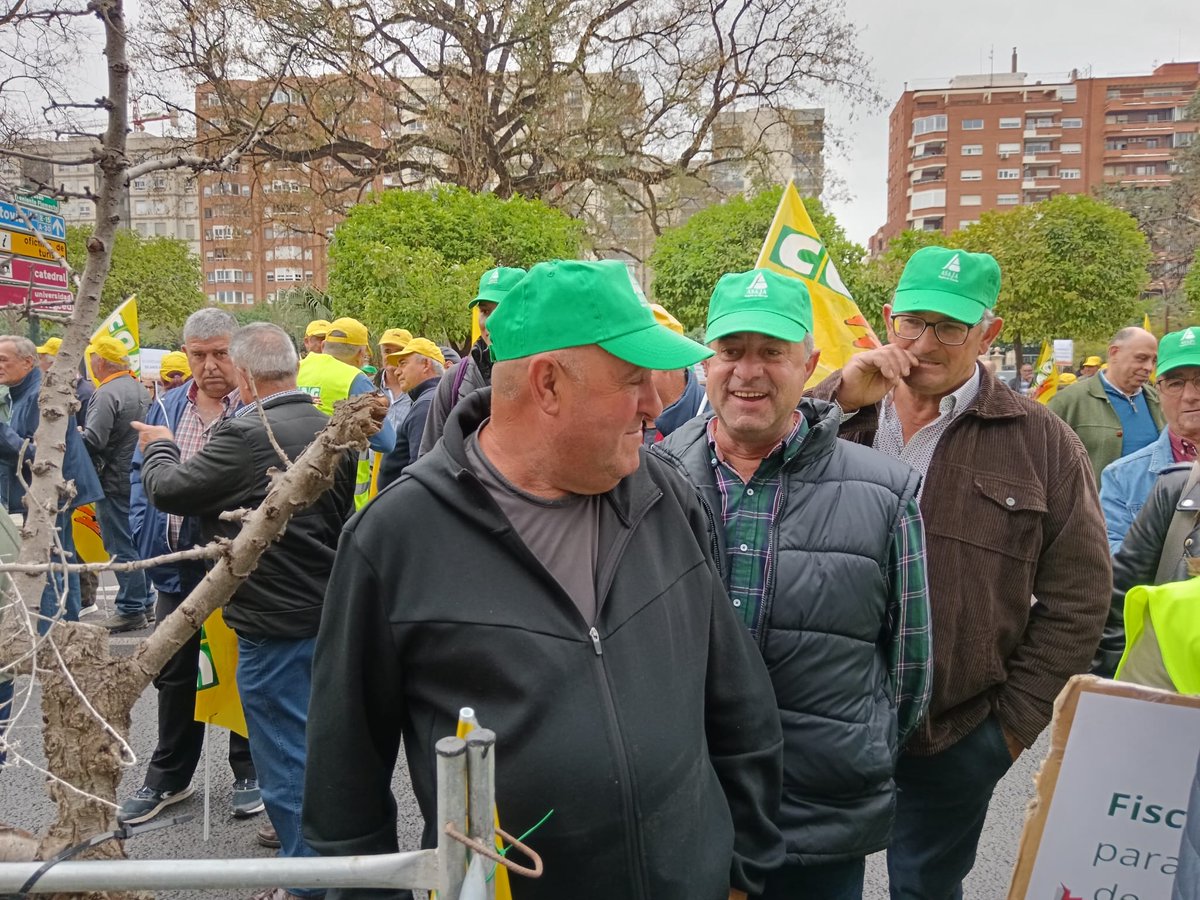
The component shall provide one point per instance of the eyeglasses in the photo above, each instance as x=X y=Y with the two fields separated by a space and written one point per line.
x=948 y=332
x=1172 y=385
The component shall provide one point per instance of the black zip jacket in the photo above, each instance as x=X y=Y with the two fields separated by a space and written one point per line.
x=653 y=735
x=283 y=595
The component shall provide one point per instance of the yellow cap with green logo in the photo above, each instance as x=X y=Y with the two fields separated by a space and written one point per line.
x=955 y=283
x=761 y=301
x=570 y=303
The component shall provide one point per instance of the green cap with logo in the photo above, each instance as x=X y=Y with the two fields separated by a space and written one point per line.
x=1179 y=349
x=569 y=303
x=495 y=285
x=762 y=301
x=955 y=283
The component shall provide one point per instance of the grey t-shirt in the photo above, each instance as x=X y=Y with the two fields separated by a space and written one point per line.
x=563 y=534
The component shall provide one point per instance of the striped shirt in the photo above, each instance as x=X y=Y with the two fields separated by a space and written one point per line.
x=749 y=510
x=918 y=451
x=191 y=435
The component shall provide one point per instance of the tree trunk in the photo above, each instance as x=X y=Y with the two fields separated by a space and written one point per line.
x=1019 y=353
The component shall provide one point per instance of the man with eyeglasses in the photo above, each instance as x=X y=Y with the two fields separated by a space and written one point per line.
x=1117 y=412
x=1018 y=568
x=1126 y=483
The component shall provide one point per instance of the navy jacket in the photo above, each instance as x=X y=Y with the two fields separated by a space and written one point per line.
x=147 y=523
x=408 y=437
x=77 y=465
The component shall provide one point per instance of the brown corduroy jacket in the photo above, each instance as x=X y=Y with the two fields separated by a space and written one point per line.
x=1011 y=513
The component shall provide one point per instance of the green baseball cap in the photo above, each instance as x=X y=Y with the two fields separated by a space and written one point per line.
x=495 y=285
x=568 y=303
x=955 y=283
x=1179 y=349
x=762 y=301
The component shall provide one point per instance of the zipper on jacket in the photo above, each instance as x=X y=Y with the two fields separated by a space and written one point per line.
x=768 y=601
x=633 y=835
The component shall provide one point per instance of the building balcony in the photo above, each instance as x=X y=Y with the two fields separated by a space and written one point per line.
x=1142 y=180
x=1118 y=104
x=1139 y=127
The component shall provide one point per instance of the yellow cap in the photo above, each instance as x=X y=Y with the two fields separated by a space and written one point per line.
x=108 y=347
x=398 y=336
x=1093 y=361
x=175 y=362
x=347 y=331
x=1067 y=378
x=50 y=348
x=664 y=318
x=317 y=327
x=420 y=346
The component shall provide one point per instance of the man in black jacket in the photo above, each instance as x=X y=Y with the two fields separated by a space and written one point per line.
x=277 y=611
x=419 y=366
x=588 y=626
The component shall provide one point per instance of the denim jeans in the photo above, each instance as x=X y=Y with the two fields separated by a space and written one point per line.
x=6 y=696
x=50 y=606
x=825 y=881
x=133 y=596
x=941 y=804
x=275 y=680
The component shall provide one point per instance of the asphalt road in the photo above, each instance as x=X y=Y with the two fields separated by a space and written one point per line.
x=23 y=802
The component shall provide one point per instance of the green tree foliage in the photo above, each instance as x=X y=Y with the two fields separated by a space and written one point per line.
x=689 y=260
x=413 y=259
x=1071 y=266
x=1191 y=284
x=162 y=271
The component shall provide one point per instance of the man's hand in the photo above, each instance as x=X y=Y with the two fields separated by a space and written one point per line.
x=868 y=377
x=149 y=433
x=736 y=894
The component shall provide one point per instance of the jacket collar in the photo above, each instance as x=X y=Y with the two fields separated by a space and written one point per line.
x=1161 y=455
x=1095 y=387
x=31 y=383
x=996 y=400
x=447 y=463
x=427 y=385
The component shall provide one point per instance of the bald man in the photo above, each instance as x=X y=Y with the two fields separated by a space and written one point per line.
x=1117 y=412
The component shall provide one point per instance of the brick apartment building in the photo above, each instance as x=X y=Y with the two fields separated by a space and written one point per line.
x=983 y=142
x=265 y=225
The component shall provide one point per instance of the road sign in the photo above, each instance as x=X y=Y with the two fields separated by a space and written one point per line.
x=32 y=271
x=28 y=245
x=45 y=202
x=30 y=219
x=44 y=299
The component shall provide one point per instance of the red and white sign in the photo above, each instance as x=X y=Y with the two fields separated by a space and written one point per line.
x=42 y=297
x=35 y=271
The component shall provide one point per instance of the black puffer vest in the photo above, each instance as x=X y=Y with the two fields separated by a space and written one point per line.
x=825 y=620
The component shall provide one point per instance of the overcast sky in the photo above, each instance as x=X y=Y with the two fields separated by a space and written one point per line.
x=911 y=40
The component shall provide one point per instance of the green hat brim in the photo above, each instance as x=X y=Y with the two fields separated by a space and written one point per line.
x=1178 y=361
x=656 y=347
x=487 y=297
x=760 y=321
x=956 y=306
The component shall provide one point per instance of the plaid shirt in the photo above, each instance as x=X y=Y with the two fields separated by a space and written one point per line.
x=190 y=436
x=748 y=510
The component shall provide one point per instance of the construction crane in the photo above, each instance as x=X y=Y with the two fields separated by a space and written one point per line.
x=139 y=121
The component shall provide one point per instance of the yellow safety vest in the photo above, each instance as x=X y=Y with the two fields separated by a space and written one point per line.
x=328 y=380
x=1162 y=629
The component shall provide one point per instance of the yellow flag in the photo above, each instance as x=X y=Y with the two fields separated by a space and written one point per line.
x=217 y=698
x=476 y=331
x=1045 y=375
x=1146 y=322
x=794 y=248
x=122 y=323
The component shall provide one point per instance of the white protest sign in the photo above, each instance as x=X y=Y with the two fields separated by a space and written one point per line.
x=1112 y=795
x=1064 y=352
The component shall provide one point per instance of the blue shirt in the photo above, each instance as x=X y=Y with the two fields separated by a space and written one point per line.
x=384 y=440
x=1138 y=428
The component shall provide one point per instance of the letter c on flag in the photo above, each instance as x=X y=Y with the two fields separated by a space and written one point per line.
x=791 y=248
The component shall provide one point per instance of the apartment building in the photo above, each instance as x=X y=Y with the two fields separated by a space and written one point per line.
x=984 y=142
x=162 y=204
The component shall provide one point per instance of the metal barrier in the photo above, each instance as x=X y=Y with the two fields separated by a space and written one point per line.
x=466 y=796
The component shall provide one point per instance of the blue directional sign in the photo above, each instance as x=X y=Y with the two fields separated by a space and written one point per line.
x=19 y=219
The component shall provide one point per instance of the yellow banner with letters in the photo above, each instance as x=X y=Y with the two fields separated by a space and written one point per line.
x=1045 y=375
x=794 y=248
x=217 y=698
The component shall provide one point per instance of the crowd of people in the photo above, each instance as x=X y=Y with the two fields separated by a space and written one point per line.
x=738 y=634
